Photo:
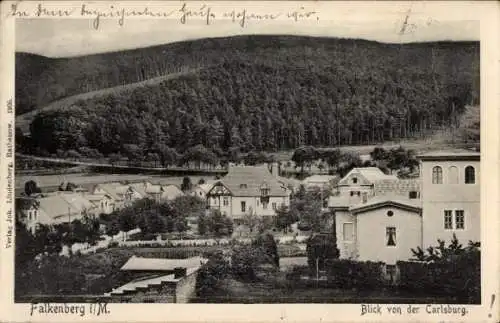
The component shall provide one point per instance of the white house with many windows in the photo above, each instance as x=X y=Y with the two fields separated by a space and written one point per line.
x=248 y=189
x=450 y=196
x=389 y=217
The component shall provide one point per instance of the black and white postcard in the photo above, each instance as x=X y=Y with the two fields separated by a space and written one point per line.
x=249 y=161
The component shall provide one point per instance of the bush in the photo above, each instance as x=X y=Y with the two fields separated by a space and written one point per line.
x=451 y=270
x=246 y=260
x=142 y=236
x=362 y=275
x=321 y=247
x=459 y=277
x=113 y=244
x=210 y=275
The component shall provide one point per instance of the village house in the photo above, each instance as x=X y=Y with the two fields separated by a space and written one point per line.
x=450 y=196
x=157 y=192
x=104 y=202
x=121 y=194
x=170 y=192
x=390 y=216
x=155 y=280
x=52 y=209
x=248 y=190
x=201 y=190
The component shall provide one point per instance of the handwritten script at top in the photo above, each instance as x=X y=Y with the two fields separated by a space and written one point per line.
x=183 y=14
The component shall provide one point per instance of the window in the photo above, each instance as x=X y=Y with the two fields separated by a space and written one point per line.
x=264 y=189
x=470 y=175
x=264 y=205
x=225 y=201
x=352 y=193
x=243 y=206
x=354 y=180
x=391 y=236
x=437 y=175
x=243 y=185
x=413 y=195
x=459 y=220
x=448 y=219
x=453 y=175
x=274 y=206
x=390 y=213
x=348 y=231
x=29 y=215
x=459 y=223
x=359 y=193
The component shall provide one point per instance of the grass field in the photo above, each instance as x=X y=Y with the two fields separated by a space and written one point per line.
x=237 y=292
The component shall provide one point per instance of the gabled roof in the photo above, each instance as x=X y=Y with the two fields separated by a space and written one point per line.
x=206 y=187
x=370 y=174
x=289 y=182
x=78 y=201
x=140 y=188
x=96 y=197
x=397 y=201
x=115 y=190
x=161 y=264
x=171 y=192
x=55 y=206
x=247 y=181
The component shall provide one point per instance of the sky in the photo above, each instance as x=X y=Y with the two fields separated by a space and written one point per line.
x=75 y=37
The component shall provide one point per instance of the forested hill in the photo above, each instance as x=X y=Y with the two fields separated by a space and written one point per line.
x=262 y=92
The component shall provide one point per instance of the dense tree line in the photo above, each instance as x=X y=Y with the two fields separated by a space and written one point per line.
x=322 y=92
x=41 y=80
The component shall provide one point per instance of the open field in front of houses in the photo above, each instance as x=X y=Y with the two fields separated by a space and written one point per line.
x=278 y=289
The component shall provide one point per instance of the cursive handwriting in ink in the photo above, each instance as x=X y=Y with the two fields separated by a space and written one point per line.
x=301 y=14
x=242 y=17
x=41 y=11
x=14 y=11
x=407 y=27
x=203 y=12
x=120 y=13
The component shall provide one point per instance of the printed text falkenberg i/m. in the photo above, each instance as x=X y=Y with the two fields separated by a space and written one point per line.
x=95 y=309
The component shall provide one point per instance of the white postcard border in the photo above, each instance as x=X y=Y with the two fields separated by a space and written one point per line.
x=487 y=12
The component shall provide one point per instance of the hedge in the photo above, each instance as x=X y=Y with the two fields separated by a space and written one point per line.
x=362 y=275
x=459 y=277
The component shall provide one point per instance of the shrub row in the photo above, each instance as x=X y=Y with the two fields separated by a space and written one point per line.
x=362 y=275
x=459 y=277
